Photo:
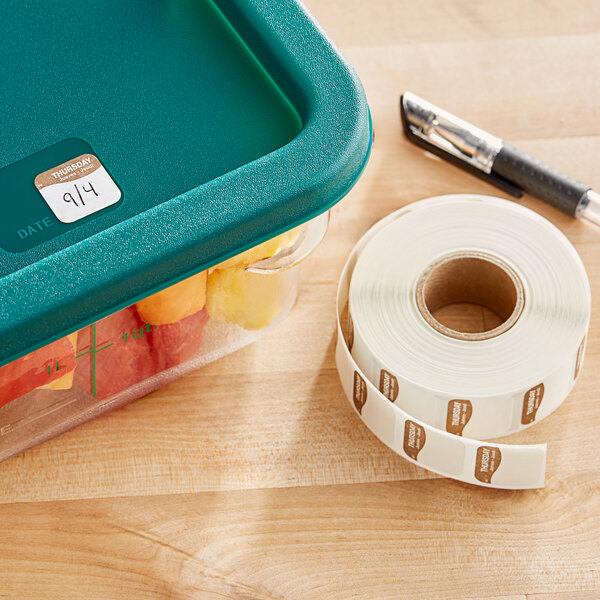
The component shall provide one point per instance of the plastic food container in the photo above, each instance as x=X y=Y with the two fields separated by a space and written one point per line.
x=165 y=167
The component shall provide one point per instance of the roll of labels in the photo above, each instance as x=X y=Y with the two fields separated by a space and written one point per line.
x=431 y=392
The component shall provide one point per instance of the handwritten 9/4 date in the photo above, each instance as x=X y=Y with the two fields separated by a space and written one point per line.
x=79 y=197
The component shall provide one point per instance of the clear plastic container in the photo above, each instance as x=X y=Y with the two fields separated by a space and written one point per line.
x=152 y=342
x=183 y=138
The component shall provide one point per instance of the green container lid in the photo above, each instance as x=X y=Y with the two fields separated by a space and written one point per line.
x=144 y=141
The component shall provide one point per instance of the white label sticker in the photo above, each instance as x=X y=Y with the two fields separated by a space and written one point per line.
x=77 y=188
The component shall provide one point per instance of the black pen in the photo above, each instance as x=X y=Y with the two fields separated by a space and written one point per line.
x=489 y=157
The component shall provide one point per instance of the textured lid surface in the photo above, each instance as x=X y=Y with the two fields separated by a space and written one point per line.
x=144 y=141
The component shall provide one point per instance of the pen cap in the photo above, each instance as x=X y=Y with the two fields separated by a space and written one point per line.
x=452 y=139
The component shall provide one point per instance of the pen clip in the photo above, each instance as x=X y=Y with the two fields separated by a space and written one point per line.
x=416 y=129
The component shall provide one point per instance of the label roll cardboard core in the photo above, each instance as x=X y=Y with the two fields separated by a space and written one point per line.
x=431 y=391
x=474 y=278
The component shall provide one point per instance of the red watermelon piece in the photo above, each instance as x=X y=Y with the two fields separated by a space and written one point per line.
x=38 y=368
x=128 y=350
x=123 y=354
x=174 y=343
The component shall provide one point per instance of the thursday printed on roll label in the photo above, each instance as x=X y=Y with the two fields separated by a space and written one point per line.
x=459 y=414
x=359 y=392
x=388 y=385
x=531 y=402
x=414 y=438
x=487 y=463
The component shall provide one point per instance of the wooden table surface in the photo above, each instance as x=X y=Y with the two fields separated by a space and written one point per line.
x=253 y=478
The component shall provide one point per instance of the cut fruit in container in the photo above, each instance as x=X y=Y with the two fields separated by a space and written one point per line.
x=250 y=300
x=42 y=367
x=175 y=302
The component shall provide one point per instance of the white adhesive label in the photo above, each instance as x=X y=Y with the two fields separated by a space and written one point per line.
x=431 y=397
x=77 y=188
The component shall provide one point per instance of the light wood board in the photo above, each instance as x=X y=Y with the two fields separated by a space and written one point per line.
x=252 y=478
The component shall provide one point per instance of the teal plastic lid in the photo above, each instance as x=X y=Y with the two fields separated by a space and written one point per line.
x=145 y=141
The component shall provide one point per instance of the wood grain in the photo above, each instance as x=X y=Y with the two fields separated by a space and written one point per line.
x=252 y=478
x=389 y=540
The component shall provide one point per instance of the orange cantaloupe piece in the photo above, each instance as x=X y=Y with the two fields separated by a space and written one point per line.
x=175 y=302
